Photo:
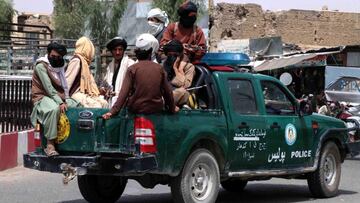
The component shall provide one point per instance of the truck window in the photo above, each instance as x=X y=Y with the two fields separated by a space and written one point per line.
x=242 y=96
x=276 y=100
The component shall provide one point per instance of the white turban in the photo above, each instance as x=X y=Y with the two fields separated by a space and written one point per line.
x=145 y=42
x=159 y=14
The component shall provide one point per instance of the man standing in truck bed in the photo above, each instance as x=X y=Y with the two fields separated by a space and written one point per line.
x=187 y=32
x=145 y=88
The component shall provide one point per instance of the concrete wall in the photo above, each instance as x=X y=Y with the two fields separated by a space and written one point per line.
x=324 y=28
x=13 y=146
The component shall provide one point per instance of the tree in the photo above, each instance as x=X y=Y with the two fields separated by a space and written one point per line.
x=6 y=15
x=171 y=7
x=97 y=19
x=69 y=17
x=103 y=23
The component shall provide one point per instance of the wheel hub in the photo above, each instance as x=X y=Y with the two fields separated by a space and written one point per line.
x=200 y=183
x=329 y=170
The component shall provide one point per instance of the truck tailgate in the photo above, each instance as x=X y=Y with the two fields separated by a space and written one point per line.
x=90 y=133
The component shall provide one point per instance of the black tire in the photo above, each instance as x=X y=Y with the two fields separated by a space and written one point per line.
x=324 y=182
x=234 y=185
x=106 y=189
x=199 y=180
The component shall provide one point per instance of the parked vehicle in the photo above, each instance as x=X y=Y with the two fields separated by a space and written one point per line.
x=344 y=89
x=247 y=127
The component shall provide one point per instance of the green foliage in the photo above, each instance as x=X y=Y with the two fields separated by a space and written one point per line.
x=6 y=15
x=97 y=19
x=69 y=17
x=103 y=23
x=171 y=7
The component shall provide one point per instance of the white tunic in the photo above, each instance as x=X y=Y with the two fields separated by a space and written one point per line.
x=124 y=65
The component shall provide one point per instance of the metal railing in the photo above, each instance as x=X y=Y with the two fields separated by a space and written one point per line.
x=15 y=103
x=18 y=57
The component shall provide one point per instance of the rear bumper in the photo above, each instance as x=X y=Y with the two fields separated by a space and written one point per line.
x=96 y=164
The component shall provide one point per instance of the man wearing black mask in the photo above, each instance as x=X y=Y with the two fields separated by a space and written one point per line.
x=179 y=73
x=186 y=31
x=50 y=93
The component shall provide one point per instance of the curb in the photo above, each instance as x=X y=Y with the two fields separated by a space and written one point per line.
x=12 y=147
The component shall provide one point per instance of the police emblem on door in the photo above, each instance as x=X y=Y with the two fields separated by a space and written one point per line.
x=290 y=134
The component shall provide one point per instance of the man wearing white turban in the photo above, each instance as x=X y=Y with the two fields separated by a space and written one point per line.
x=145 y=89
x=152 y=42
x=158 y=21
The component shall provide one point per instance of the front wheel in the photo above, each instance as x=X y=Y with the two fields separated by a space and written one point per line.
x=95 y=188
x=199 y=180
x=324 y=182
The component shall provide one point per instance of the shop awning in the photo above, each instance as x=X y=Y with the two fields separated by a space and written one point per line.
x=286 y=61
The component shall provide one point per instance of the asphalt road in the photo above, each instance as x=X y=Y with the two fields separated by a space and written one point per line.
x=25 y=185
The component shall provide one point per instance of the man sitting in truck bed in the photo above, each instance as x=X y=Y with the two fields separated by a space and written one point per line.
x=145 y=87
x=50 y=93
x=179 y=72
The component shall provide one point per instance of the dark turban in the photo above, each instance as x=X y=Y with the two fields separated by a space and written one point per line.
x=116 y=41
x=173 y=46
x=59 y=48
x=187 y=8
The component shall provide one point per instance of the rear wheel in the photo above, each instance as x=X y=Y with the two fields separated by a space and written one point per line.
x=96 y=188
x=199 y=180
x=324 y=182
x=234 y=185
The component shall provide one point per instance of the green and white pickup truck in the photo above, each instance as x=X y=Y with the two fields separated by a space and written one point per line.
x=246 y=127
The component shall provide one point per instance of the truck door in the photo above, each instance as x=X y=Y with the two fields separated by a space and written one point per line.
x=247 y=128
x=288 y=142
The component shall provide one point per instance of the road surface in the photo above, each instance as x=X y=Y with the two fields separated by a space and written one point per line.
x=25 y=185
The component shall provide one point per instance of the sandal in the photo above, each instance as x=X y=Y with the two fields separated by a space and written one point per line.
x=50 y=152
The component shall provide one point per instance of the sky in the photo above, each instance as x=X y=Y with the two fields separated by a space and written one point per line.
x=45 y=6
x=34 y=6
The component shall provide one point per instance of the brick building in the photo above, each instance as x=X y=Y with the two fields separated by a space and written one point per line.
x=320 y=28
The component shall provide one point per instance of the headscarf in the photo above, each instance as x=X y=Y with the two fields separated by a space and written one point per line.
x=85 y=50
x=157 y=27
x=187 y=13
x=159 y=14
x=145 y=42
x=173 y=46
x=188 y=8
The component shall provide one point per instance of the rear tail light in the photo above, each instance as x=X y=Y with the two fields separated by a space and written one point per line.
x=145 y=135
x=37 y=137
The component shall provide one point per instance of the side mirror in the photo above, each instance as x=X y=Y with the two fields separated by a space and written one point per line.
x=304 y=108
